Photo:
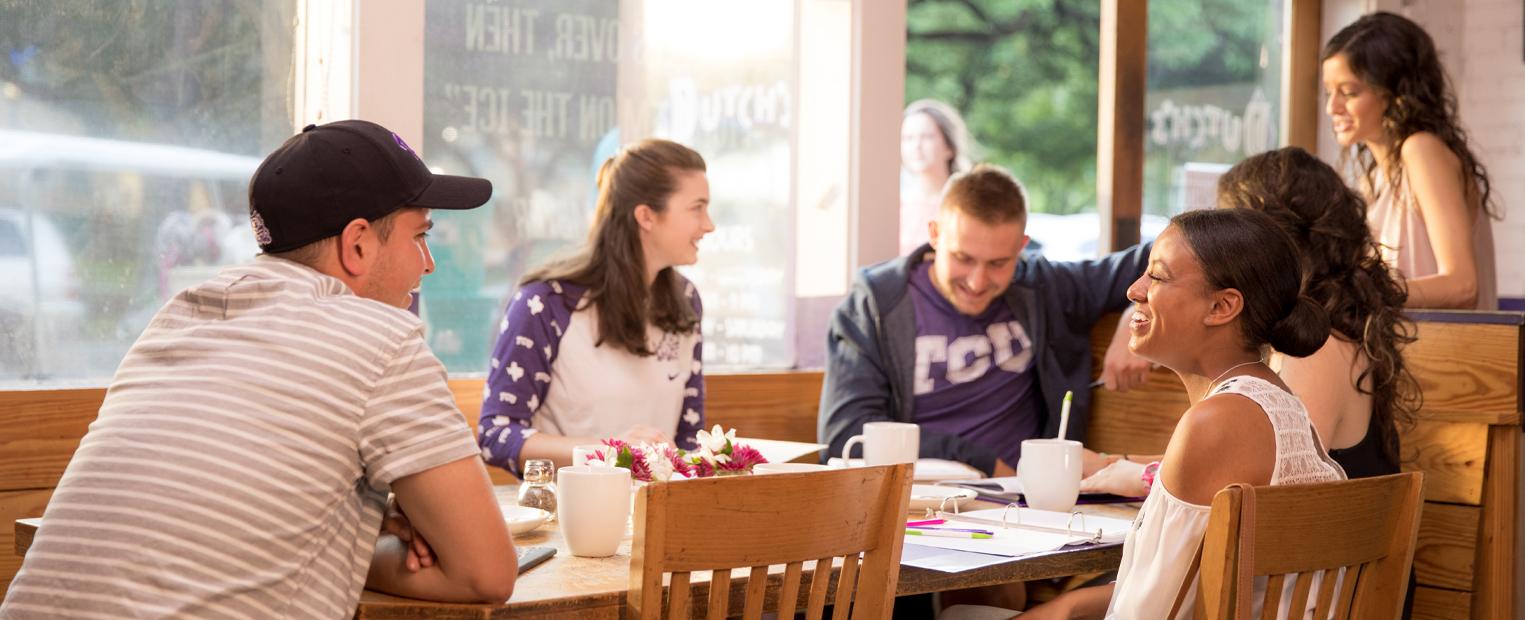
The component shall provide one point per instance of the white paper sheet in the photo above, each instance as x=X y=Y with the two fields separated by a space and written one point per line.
x=947 y=560
x=779 y=451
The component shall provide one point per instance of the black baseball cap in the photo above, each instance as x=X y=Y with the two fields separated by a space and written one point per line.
x=323 y=178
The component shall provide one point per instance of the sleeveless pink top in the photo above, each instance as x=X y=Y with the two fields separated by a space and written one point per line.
x=1398 y=226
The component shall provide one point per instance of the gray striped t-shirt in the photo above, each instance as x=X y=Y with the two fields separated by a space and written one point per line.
x=240 y=464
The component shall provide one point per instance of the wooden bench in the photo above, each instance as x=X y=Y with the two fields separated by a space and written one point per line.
x=1467 y=443
x=40 y=429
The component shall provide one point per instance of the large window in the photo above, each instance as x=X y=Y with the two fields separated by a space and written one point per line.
x=1023 y=74
x=1213 y=98
x=536 y=94
x=128 y=131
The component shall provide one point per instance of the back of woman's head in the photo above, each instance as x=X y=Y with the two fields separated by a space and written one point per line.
x=951 y=125
x=1397 y=57
x=1245 y=250
x=613 y=264
x=1342 y=268
x=1309 y=201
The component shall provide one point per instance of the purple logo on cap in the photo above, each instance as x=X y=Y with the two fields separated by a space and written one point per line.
x=404 y=146
x=261 y=233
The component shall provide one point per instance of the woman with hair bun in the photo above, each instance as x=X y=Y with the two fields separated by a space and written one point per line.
x=1430 y=198
x=1222 y=287
x=606 y=343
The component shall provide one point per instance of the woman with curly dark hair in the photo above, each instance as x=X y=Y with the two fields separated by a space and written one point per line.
x=1430 y=199
x=1356 y=386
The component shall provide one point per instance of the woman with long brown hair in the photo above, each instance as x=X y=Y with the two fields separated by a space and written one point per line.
x=934 y=146
x=1430 y=198
x=1356 y=387
x=606 y=343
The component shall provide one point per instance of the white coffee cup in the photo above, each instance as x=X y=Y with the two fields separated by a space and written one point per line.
x=787 y=468
x=592 y=504
x=886 y=443
x=1050 y=473
x=597 y=451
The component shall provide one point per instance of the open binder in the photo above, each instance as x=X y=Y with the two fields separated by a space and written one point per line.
x=1022 y=531
x=1008 y=490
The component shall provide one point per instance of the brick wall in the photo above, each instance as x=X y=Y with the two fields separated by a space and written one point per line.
x=1491 y=85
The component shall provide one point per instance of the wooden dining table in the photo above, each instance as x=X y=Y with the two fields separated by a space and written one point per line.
x=573 y=587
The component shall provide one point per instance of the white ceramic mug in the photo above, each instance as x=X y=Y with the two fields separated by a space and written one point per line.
x=886 y=443
x=787 y=468
x=581 y=453
x=1050 y=473
x=592 y=504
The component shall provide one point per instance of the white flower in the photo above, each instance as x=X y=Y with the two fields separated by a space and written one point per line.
x=657 y=463
x=711 y=442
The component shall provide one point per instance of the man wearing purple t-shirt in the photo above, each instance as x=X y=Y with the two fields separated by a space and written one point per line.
x=967 y=338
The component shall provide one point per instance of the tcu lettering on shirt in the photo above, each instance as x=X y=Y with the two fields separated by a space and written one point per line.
x=969 y=357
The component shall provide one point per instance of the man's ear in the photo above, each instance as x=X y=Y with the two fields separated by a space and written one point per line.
x=932 y=232
x=1226 y=306
x=645 y=217
x=357 y=247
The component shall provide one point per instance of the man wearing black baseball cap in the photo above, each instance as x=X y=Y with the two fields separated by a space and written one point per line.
x=242 y=460
x=317 y=196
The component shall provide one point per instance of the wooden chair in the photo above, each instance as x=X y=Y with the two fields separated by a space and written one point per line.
x=1366 y=527
x=717 y=524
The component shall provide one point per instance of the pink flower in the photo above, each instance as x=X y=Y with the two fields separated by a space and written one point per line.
x=639 y=468
x=743 y=457
x=679 y=466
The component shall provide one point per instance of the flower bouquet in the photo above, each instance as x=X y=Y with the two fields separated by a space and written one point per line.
x=717 y=454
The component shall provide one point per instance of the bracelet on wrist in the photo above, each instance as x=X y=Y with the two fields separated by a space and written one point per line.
x=1150 y=471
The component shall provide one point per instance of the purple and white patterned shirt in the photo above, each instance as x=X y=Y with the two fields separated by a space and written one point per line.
x=547 y=374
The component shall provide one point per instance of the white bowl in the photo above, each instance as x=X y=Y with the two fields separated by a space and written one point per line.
x=521 y=519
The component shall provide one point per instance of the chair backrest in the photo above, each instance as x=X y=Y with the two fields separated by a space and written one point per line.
x=717 y=524
x=1355 y=538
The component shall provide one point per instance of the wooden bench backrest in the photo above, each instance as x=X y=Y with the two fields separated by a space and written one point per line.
x=40 y=429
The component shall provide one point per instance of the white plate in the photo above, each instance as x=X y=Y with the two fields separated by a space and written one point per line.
x=521 y=519
x=924 y=496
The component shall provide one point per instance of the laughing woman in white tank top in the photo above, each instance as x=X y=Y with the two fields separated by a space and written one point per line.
x=1221 y=287
x=1430 y=199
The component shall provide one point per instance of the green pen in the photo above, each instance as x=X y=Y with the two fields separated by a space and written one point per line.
x=946 y=534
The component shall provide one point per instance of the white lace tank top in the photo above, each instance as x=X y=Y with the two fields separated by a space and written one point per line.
x=1167 y=531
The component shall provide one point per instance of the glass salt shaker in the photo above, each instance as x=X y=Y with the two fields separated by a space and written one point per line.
x=538 y=489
